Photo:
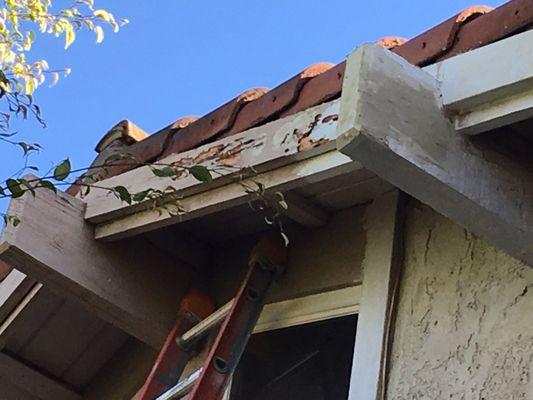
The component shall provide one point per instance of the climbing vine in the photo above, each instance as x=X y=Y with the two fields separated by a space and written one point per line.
x=20 y=23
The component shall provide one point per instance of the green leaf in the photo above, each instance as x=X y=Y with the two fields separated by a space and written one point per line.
x=2 y=191
x=28 y=186
x=14 y=187
x=62 y=171
x=11 y=219
x=123 y=194
x=140 y=196
x=27 y=147
x=164 y=172
x=201 y=173
x=48 y=185
x=118 y=156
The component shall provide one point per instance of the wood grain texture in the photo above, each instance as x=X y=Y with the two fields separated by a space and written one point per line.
x=128 y=284
x=392 y=122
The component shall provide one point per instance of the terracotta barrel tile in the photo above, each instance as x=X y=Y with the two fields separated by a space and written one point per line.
x=212 y=124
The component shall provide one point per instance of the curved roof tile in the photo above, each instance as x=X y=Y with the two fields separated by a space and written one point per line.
x=474 y=27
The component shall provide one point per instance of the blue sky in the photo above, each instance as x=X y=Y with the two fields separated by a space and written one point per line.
x=177 y=58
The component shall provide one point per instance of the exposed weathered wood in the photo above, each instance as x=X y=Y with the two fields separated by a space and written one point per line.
x=32 y=381
x=380 y=278
x=304 y=212
x=129 y=284
x=307 y=309
x=488 y=87
x=278 y=143
x=392 y=122
x=291 y=176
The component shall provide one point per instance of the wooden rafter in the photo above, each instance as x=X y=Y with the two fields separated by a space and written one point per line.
x=392 y=121
x=129 y=284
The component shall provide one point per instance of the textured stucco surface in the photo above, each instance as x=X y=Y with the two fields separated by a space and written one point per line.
x=464 y=328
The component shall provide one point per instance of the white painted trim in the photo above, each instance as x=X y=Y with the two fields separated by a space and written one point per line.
x=489 y=87
x=313 y=308
x=10 y=284
x=285 y=178
x=494 y=115
x=380 y=271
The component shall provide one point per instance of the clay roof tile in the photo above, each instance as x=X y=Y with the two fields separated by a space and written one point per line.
x=123 y=133
x=273 y=103
x=474 y=27
x=213 y=124
x=390 y=42
x=429 y=46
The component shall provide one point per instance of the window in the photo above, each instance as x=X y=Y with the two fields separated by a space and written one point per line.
x=306 y=362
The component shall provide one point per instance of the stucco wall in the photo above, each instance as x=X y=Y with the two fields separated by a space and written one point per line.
x=464 y=328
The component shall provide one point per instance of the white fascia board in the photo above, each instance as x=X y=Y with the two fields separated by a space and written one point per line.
x=489 y=87
x=265 y=148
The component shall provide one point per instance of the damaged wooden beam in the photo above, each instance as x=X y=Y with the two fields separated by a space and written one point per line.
x=393 y=122
x=264 y=148
x=129 y=284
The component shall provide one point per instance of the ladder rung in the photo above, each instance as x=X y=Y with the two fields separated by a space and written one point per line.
x=203 y=327
x=182 y=388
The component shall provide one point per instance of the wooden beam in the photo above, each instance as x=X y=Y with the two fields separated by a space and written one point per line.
x=129 y=284
x=304 y=212
x=286 y=178
x=34 y=382
x=488 y=87
x=270 y=146
x=393 y=123
x=381 y=276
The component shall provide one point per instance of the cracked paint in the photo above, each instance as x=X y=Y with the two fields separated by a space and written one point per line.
x=463 y=328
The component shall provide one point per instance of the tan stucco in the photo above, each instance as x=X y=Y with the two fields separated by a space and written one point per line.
x=464 y=328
